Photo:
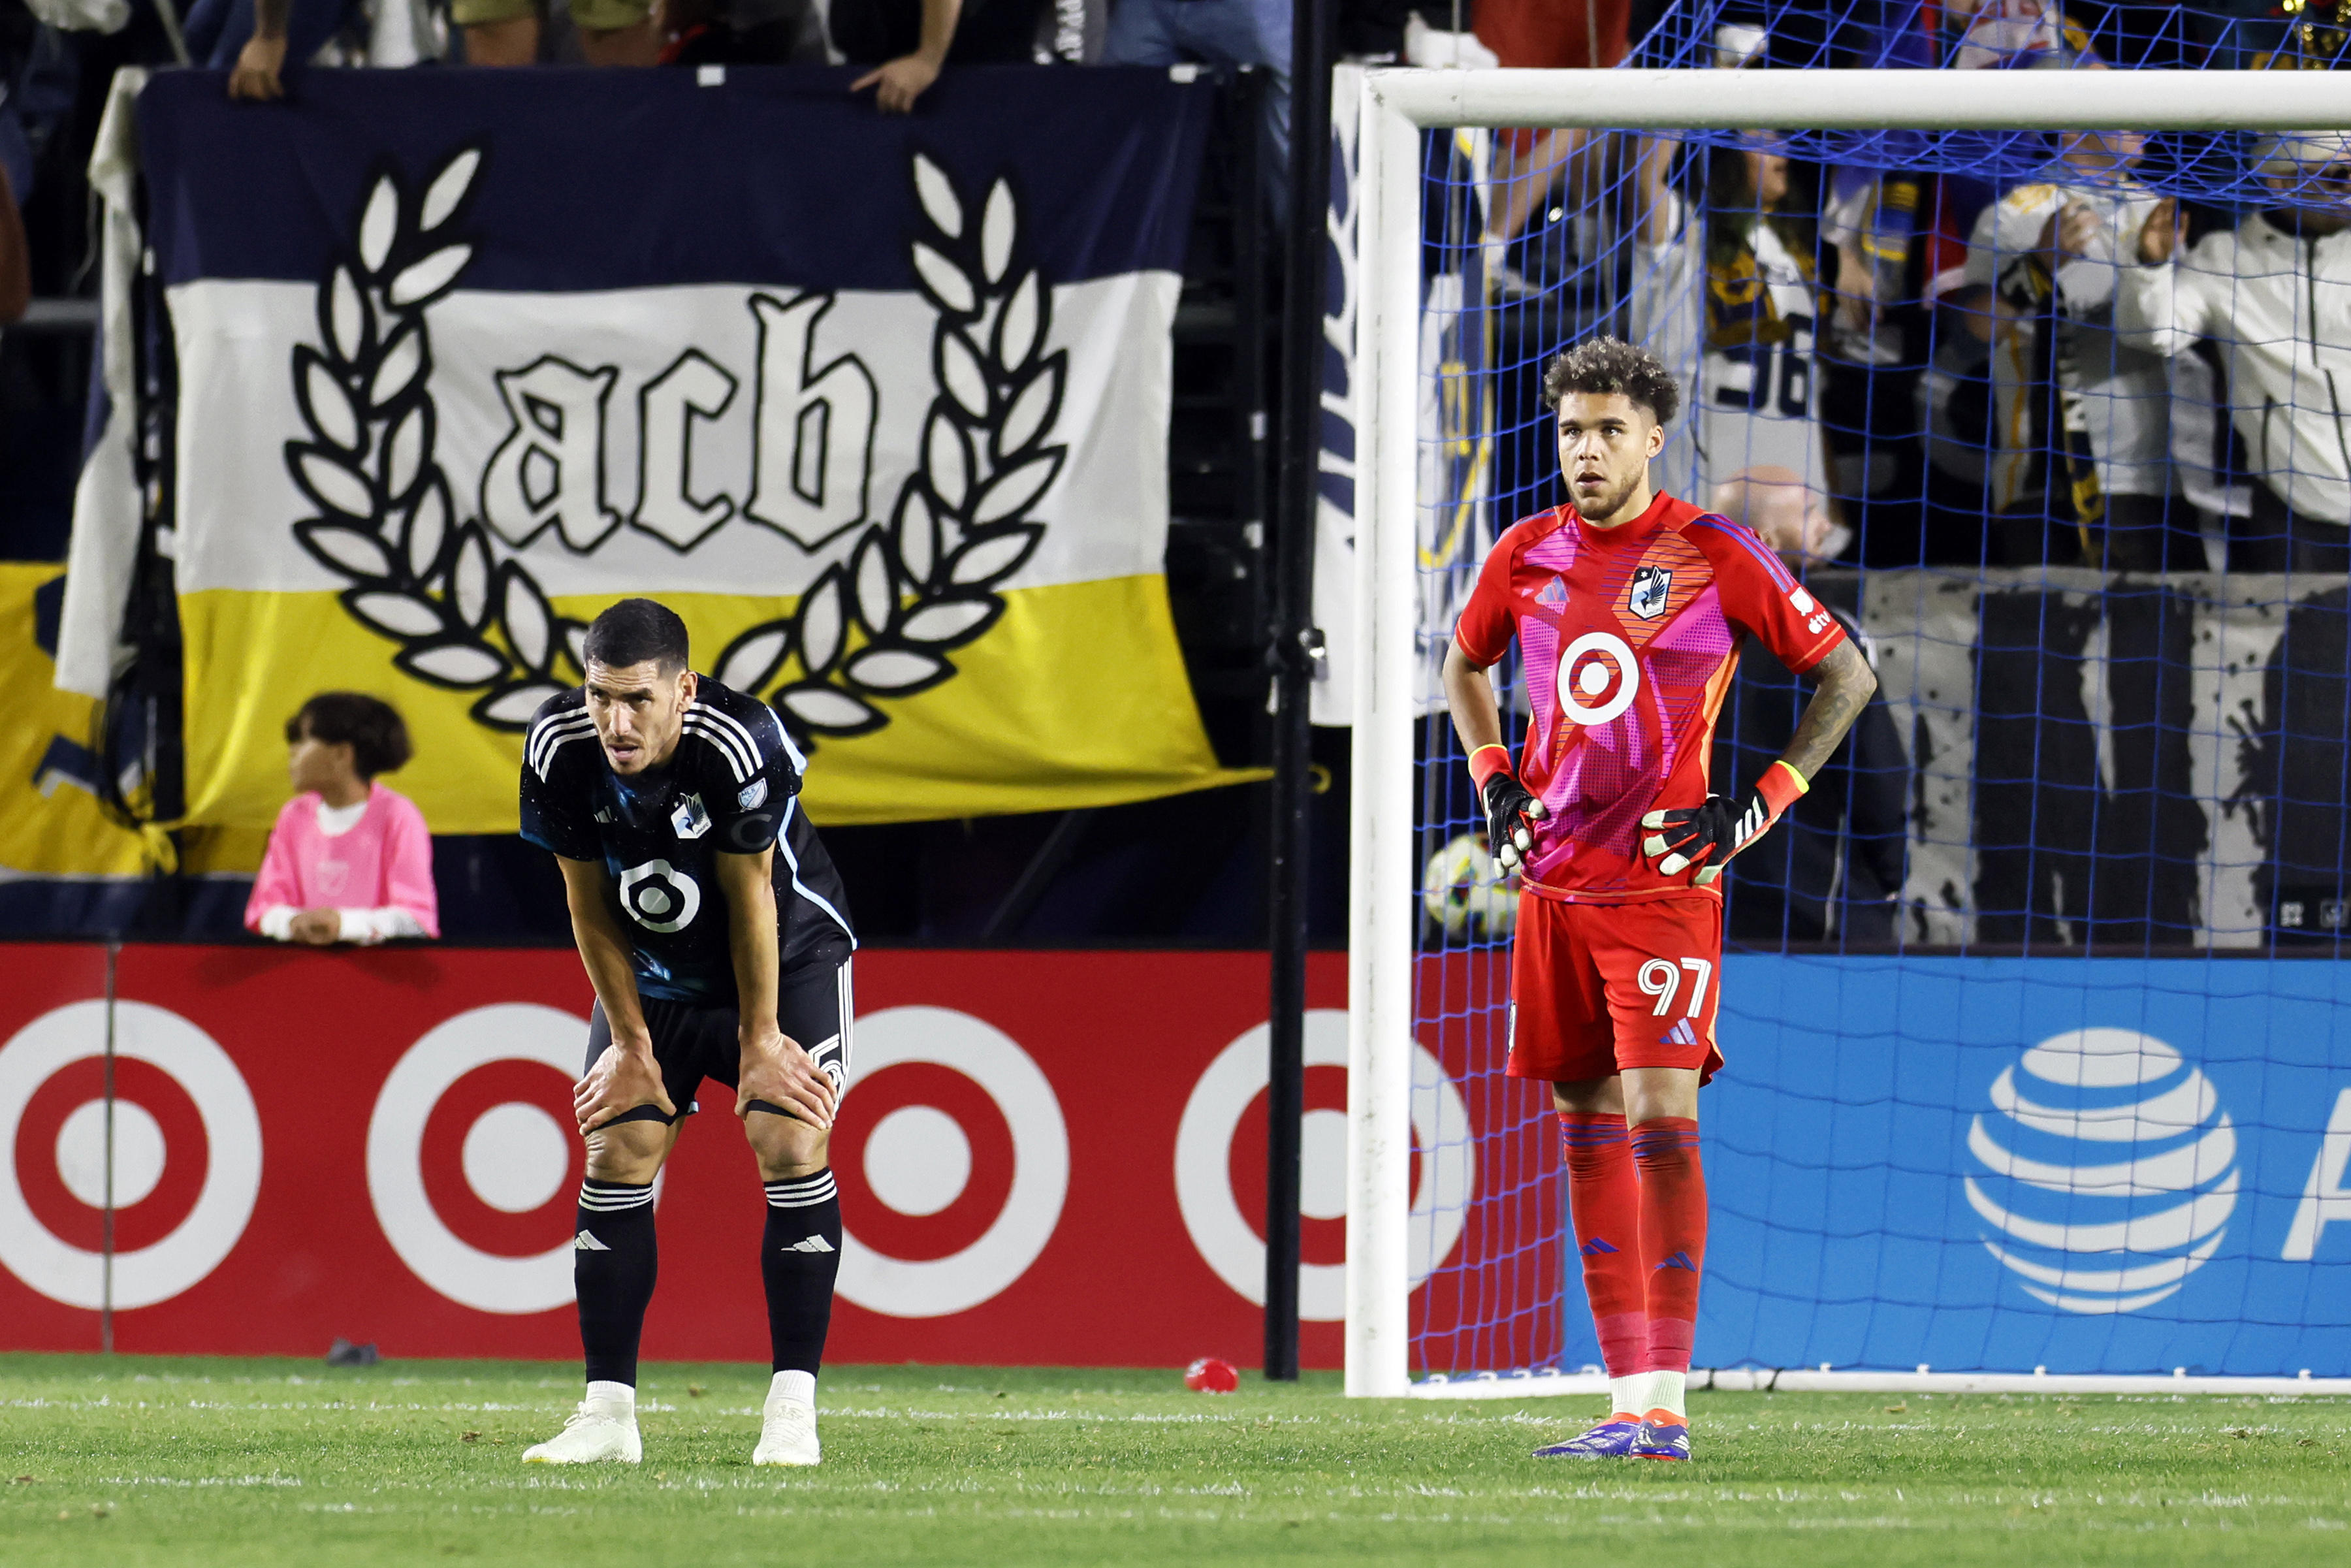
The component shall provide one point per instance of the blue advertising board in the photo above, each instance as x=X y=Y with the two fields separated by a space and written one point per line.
x=2089 y=1166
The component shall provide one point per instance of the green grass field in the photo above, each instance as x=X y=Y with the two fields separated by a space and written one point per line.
x=152 y=1460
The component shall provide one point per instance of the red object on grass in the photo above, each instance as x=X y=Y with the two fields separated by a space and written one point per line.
x=1212 y=1374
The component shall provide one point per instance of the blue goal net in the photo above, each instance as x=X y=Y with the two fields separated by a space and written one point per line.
x=2030 y=1007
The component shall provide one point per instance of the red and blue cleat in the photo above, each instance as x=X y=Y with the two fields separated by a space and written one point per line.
x=1610 y=1439
x=1662 y=1435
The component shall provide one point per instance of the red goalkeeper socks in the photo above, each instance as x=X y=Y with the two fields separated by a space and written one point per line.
x=1603 y=1200
x=1673 y=1236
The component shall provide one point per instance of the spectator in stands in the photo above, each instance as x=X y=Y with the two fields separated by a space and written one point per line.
x=2006 y=34
x=1723 y=293
x=15 y=259
x=1531 y=165
x=1214 y=33
x=1835 y=870
x=2081 y=418
x=506 y=32
x=740 y=33
x=908 y=42
x=349 y=860
x=253 y=39
x=2275 y=294
x=1870 y=212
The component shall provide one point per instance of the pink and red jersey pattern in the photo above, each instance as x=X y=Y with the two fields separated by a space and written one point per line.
x=1628 y=637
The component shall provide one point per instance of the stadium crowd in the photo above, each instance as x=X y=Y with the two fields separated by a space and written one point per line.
x=2029 y=369
x=2076 y=355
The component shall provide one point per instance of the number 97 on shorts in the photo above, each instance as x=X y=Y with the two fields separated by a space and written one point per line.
x=1596 y=988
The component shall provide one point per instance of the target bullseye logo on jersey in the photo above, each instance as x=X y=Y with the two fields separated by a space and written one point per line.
x=1442 y=1155
x=1598 y=678
x=2111 y=1170
x=187 y=1155
x=954 y=1161
x=470 y=1163
x=660 y=897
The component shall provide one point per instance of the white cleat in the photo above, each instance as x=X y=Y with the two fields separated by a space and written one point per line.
x=787 y=1434
x=601 y=1431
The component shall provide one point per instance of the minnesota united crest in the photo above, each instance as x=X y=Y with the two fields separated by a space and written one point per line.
x=1652 y=586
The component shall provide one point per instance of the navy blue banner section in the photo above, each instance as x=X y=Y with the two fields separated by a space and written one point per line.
x=2089 y=1166
x=774 y=175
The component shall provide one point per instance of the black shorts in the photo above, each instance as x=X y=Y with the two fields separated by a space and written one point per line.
x=814 y=1007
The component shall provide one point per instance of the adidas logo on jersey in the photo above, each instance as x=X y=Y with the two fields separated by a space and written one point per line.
x=1552 y=594
x=1680 y=1034
x=809 y=1244
x=586 y=1242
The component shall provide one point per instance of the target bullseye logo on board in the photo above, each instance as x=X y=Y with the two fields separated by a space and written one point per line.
x=187 y=1155
x=971 y=1156
x=1231 y=1243
x=1598 y=678
x=466 y=1159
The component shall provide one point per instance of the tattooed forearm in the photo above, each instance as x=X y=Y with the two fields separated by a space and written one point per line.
x=1847 y=681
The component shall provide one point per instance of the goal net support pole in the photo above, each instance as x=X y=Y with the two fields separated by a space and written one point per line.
x=1397 y=107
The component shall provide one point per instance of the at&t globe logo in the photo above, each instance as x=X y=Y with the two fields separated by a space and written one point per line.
x=2113 y=1170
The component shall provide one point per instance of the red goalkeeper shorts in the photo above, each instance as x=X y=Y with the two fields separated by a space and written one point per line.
x=1598 y=987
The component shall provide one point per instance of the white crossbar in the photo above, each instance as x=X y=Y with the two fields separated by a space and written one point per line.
x=1867 y=100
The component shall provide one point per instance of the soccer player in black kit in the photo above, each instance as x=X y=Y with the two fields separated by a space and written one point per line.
x=714 y=928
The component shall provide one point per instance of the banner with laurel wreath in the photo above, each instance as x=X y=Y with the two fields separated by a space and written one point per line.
x=878 y=405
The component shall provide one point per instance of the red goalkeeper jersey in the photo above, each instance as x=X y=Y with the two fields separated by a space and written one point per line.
x=1629 y=637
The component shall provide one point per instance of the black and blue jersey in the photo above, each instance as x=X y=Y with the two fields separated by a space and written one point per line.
x=732 y=786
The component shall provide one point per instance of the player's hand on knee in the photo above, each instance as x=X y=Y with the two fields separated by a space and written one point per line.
x=777 y=1072
x=1511 y=812
x=620 y=1081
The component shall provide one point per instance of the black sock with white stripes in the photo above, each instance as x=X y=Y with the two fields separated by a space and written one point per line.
x=798 y=1256
x=614 y=1261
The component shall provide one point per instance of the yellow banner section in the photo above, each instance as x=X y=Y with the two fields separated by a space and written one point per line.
x=1076 y=696
x=50 y=823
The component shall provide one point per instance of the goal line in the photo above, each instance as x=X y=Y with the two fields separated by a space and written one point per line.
x=1826 y=1380
x=1395 y=107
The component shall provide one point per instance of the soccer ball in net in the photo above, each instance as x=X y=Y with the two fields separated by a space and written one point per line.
x=1462 y=894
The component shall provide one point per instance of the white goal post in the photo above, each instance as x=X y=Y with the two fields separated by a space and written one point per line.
x=1397 y=107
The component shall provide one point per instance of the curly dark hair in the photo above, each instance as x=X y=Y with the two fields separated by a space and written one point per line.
x=1605 y=365
x=371 y=726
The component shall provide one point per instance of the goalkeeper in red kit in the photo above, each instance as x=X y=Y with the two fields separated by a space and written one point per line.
x=1629 y=608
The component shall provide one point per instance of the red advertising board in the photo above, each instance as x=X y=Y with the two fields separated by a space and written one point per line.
x=1045 y=1158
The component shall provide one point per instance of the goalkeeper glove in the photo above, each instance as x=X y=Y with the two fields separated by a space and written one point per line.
x=1708 y=835
x=1510 y=809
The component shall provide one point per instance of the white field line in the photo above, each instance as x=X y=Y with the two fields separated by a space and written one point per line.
x=1525 y=1386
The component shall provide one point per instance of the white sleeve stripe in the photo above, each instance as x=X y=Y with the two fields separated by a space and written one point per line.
x=727 y=746
x=729 y=723
x=723 y=745
x=545 y=737
x=741 y=754
x=550 y=734
x=555 y=743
